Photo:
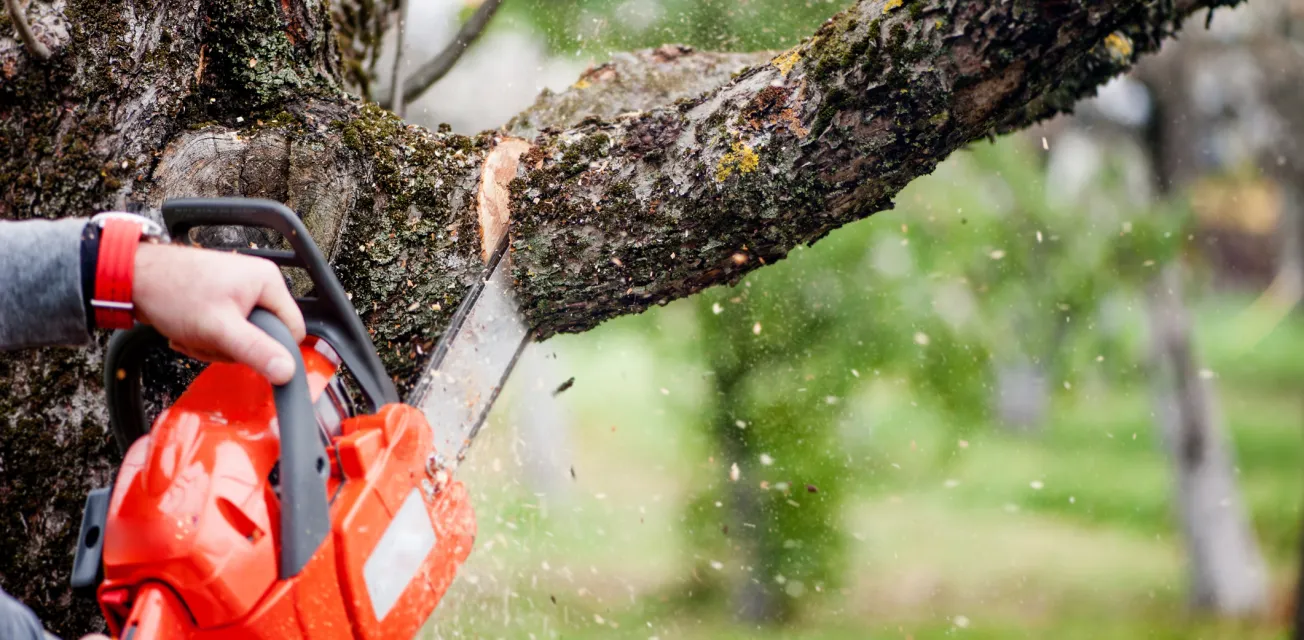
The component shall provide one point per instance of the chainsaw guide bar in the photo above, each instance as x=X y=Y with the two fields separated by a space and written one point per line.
x=471 y=362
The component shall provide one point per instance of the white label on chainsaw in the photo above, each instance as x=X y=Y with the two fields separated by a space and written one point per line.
x=399 y=555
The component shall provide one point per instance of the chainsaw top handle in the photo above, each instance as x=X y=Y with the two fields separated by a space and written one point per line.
x=329 y=315
x=305 y=512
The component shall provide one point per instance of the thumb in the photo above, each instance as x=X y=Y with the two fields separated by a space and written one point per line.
x=242 y=342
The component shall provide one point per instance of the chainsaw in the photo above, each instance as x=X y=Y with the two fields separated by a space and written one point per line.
x=324 y=508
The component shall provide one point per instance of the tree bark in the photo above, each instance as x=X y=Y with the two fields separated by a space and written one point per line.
x=609 y=214
x=1228 y=575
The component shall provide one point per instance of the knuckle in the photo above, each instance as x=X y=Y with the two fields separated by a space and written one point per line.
x=269 y=270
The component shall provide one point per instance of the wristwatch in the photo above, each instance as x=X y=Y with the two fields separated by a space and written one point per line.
x=114 y=237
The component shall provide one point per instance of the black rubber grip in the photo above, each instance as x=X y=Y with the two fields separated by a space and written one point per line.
x=305 y=512
x=122 y=382
x=88 y=560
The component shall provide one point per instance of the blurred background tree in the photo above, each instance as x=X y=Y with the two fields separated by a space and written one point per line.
x=957 y=417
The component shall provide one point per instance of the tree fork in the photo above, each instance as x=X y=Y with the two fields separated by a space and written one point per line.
x=654 y=196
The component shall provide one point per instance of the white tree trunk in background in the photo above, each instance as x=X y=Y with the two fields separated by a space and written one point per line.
x=1022 y=395
x=1227 y=570
x=1289 y=282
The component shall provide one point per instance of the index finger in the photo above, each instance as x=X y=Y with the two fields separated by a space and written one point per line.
x=275 y=297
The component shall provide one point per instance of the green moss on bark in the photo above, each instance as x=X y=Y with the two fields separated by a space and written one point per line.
x=412 y=250
x=251 y=61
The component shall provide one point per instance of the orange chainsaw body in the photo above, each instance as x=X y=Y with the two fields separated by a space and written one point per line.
x=192 y=532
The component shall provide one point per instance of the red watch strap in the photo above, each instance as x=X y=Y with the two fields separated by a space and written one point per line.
x=114 y=271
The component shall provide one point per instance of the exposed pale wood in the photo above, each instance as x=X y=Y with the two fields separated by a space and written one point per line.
x=493 y=201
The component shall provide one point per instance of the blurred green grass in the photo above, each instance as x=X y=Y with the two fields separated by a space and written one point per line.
x=1067 y=533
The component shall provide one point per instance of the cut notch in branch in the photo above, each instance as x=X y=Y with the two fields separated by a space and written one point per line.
x=19 y=18
x=493 y=200
x=439 y=66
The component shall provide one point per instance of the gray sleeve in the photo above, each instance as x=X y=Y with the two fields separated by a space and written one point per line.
x=17 y=622
x=40 y=283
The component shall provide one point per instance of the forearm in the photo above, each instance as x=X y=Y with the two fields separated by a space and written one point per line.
x=17 y=622
x=41 y=301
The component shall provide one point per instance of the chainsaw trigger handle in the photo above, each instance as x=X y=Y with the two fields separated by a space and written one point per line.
x=122 y=373
x=305 y=513
x=328 y=314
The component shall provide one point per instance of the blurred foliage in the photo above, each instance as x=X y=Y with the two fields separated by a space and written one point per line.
x=602 y=26
x=988 y=270
x=1065 y=535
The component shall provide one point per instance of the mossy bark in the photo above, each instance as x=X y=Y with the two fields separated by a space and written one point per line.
x=654 y=205
x=628 y=199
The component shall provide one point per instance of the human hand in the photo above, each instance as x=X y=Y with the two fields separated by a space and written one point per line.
x=200 y=301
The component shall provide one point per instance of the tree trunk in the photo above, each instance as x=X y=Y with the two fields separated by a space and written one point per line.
x=1227 y=571
x=1289 y=281
x=755 y=598
x=641 y=203
x=1022 y=395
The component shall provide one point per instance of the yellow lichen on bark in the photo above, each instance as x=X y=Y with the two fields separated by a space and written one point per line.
x=787 y=60
x=892 y=4
x=1119 y=46
x=740 y=158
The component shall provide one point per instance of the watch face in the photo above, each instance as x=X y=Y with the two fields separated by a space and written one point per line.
x=148 y=228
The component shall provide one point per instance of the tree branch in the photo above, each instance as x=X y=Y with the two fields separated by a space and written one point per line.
x=633 y=82
x=396 y=101
x=19 y=18
x=439 y=66
x=614 y=215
